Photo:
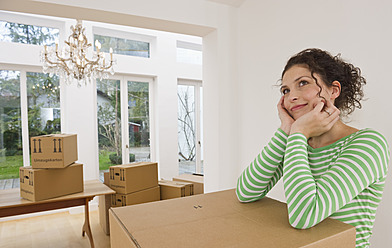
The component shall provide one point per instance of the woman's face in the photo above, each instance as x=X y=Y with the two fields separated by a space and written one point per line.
x=301 y=91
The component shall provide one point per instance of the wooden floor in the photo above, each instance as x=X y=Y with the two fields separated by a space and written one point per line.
x=60 y=230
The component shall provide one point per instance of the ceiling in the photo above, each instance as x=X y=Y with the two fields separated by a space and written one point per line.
x=234 y=3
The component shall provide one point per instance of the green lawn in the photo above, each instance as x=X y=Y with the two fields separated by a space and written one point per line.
x=9 y=166
x=104 y=161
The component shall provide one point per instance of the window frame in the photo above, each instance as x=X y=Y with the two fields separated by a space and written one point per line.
x=23 y=69
x=128 y=36
x=30 y=19
x=124 y=78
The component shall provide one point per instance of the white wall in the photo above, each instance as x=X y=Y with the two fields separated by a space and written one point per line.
x=271 y=31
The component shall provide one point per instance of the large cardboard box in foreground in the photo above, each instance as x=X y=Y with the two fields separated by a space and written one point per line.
x=41 y=184
x=129 y=178
x=142 y=196
x=219 y=220
x=175 y=189
x=197 y=180
x=53 y=150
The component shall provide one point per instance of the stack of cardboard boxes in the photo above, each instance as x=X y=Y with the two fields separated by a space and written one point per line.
x=134 y=183
x=138 y=183
x=53 y=171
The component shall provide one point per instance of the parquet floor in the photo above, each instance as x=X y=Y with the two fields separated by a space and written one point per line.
x=58 y=230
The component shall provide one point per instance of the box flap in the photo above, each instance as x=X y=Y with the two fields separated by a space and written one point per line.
x=136 y=164
x=172 y=183
x=189 y=177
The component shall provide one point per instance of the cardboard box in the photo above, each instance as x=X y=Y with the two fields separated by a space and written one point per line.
x=219 y=220
x=129 y=178
x=53 y=151
x=41 y=184
x=175 y=189
x=197 y=180
x=143 y=196
x=104 y=203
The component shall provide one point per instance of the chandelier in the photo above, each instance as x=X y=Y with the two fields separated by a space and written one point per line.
x=71 y=62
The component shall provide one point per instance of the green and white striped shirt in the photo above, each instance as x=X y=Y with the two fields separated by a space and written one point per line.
x=344 y=180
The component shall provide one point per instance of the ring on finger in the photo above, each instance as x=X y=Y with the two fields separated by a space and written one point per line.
x=327 y=112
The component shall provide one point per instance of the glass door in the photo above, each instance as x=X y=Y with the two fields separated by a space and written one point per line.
x=109 y=123
x=138 y=117
x=29 y=106
x=11 y=153
x=190 y=129
x=124 y=120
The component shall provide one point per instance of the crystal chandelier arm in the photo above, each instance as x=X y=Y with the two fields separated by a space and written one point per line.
x=107 y=67
x=57 y=64
x=92 y=61
x=72 y=62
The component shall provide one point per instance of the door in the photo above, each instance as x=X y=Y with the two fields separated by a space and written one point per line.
x=190 y=128
x=124 y=112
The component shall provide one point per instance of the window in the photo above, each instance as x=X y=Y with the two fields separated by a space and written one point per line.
x=124 y=46
x=109 y=123
x=43 y=103
x=28 y=34
x=124 y=120
x=190 y=53
x=139 y=120
x=42 y=108
x=189 y=127
x=11 y=154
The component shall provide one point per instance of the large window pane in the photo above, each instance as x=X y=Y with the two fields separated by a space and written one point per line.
x=11 y=155
x=43 y=103
x=139 y=121
x=186 y=129
x=124 y=46
x=28 y=34
x=109 y=124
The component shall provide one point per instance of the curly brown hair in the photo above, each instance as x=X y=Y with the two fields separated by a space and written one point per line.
x=333 y=68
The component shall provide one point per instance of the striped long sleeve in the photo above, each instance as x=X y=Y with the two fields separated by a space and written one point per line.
x=264 y=172
x=349 y=189
x=344 y=180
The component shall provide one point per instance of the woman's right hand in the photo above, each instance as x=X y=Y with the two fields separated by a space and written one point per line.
x=285 y=118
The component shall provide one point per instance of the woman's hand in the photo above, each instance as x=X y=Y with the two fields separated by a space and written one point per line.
x=318 y=121
x=285 y=118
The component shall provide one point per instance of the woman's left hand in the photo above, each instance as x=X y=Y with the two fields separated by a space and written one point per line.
x=318 y=121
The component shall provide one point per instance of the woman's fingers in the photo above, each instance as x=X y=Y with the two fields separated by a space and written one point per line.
x=330 y=109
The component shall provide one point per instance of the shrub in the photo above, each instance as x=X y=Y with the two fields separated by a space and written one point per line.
x=131 y=157
x=117 y=159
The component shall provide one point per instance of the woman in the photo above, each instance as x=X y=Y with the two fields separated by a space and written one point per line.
x=329 y=169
